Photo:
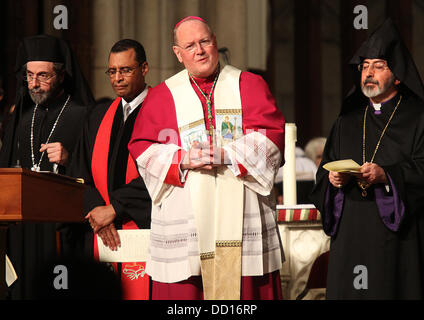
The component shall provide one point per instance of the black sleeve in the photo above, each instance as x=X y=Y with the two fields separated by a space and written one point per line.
x=331 y=153
x=8 y=140
x=132 y=201
x=77 y=238
x=80 y=166
x=408 y=173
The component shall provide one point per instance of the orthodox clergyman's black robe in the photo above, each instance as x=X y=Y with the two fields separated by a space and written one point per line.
x=31 y=246
x=377 y=241
x=67 y=131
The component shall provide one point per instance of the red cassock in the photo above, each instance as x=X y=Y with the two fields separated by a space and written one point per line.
x=259 y=112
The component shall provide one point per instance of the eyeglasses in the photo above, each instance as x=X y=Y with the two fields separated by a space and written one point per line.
x=125 y=72
x=192 y=46
x=41 y=77
x=378 y=66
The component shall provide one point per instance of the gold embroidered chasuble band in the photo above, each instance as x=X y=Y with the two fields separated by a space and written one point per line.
x=217 y=196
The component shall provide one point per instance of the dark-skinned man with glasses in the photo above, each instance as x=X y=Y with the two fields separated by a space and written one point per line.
x=116 y=196
x=52 y=99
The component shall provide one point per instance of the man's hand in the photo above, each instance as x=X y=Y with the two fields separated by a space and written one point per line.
x=339 y=179
x=56 y=152
x=100 y=217
x=195 y=158
x=372 y=173
x=204 y=156
x=110 y=237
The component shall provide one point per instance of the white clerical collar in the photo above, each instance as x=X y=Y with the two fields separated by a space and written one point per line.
x=134 y=103
x=377 y=107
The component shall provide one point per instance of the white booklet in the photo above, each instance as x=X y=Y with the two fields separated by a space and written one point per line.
x=134 y=247
x=348 y=165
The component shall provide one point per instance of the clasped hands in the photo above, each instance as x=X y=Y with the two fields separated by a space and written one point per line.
x=101 y=221
x=370 y=173
x=204 y=156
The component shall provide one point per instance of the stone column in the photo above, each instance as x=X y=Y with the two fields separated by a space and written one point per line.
x=240 y=25
x=106 y=31
x=307 y=63
x=331 y=65
x=282 y=56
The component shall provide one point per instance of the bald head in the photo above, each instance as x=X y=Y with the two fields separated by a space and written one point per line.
x=190 y=18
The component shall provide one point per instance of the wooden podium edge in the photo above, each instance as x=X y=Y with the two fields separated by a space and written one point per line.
x=16 y=216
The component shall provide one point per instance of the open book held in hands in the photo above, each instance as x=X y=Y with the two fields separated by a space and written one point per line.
x=347 y=165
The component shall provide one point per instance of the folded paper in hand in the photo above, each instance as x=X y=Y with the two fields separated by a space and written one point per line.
x=134 y=247
x=342 y=166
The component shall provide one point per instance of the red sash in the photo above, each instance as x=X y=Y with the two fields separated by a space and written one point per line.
x=134 y=280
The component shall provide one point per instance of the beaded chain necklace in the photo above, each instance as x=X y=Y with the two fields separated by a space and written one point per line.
x=209 y=103
x=36 y=167
x=363 y=185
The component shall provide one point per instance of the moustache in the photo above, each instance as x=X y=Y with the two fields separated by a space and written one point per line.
x=370 y=80
x=37 y=91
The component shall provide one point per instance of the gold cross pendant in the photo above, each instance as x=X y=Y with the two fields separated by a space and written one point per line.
x=364 y=186
x=212 y=133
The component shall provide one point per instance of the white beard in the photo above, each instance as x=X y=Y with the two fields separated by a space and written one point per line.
x=371 y=92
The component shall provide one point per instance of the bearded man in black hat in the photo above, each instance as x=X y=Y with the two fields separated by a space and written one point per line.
x=51 y=104
x=374 y=216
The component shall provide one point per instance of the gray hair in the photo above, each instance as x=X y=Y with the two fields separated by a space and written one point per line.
x=314 y=147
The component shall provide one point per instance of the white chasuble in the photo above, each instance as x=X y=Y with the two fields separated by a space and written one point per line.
x=216 y=195
x=218 y=226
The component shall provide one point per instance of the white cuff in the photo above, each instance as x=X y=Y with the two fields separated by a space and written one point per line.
x=233 y=163
x=183 y=173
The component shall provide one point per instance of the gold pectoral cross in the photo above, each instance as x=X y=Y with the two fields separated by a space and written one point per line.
x=211 y=127
x=212 y=134
x=364 y=186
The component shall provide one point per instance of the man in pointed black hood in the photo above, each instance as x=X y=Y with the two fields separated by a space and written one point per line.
x=374 y=217
x=51 y=103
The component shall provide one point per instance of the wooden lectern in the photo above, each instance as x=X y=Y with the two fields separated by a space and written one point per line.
x=27 y=196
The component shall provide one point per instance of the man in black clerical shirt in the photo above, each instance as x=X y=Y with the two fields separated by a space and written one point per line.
x=374 y=216
x=51 y=103
x=116 y=196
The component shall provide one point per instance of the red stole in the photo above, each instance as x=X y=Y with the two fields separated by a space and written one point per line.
x=135 y=282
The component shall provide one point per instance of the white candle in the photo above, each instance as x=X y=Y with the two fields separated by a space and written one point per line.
x=289 y=168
